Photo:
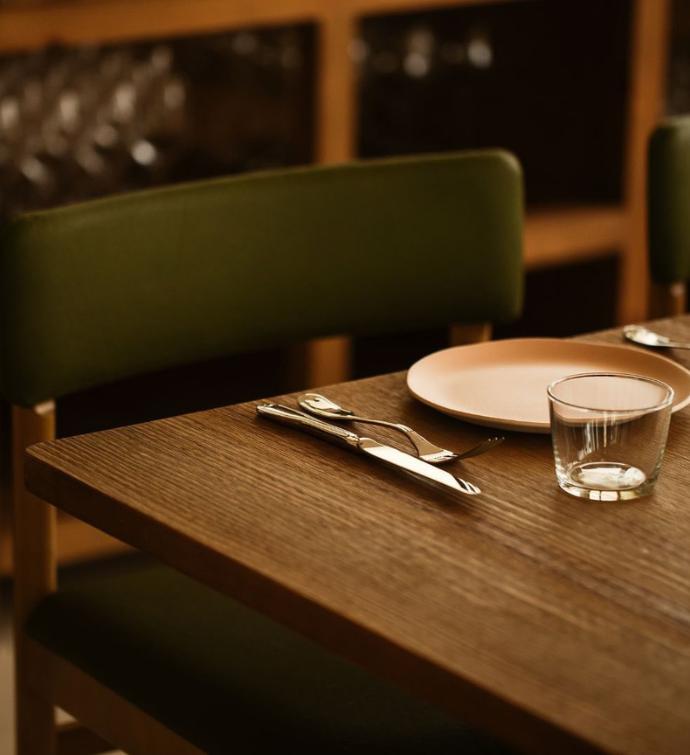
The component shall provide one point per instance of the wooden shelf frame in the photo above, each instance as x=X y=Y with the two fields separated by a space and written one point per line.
x=32 y=24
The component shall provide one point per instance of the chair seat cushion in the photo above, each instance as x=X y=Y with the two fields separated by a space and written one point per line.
x=228 y=679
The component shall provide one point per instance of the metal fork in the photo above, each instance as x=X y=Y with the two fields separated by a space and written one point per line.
x=320 y=406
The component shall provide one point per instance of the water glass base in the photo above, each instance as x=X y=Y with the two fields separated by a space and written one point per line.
x=605 y=481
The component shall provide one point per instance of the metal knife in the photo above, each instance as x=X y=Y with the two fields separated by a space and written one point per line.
x=388 y=455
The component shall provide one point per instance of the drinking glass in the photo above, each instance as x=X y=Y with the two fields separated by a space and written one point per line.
x=609 y=433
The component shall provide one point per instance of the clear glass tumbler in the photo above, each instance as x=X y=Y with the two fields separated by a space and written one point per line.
x=609 y=433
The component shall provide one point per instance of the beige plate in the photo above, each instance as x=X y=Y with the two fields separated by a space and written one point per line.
x=503 y=383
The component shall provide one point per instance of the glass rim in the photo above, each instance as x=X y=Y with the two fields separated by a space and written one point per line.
x=629 y=375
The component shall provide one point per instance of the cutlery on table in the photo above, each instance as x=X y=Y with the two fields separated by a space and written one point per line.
x=320 y=406
x=386 y=454
x=645 y=337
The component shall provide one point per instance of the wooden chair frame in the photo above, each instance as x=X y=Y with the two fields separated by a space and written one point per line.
x=45 y=680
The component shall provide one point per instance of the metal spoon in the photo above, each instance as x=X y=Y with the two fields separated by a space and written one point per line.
x=640 y=334
x=320 y=406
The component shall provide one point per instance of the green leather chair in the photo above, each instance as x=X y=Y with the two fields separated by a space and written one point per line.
x=669 y=215
x=98 y=292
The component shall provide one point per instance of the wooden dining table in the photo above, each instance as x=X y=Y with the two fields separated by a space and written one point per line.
x=558 y=624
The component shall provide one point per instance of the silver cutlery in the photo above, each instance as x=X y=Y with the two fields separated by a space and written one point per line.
x=320 y=406
x=386 y=454
x=645 y=337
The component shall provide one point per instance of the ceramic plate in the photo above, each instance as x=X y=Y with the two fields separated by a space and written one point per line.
x=503 y=384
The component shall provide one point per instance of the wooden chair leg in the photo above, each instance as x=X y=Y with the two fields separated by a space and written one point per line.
x=667 y=299
x=34 y=530
x=476 y=333
x=329 y=360
x=36 y=733
x=323 y=361
x=5 y=488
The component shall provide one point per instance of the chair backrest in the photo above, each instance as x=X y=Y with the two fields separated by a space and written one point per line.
x=668 y=211
x=108 y=289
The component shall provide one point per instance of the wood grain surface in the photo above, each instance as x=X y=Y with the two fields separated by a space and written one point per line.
x=558 y=624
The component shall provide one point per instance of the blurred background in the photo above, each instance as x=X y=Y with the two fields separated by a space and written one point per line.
x=545 y=78
x=104 y=96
